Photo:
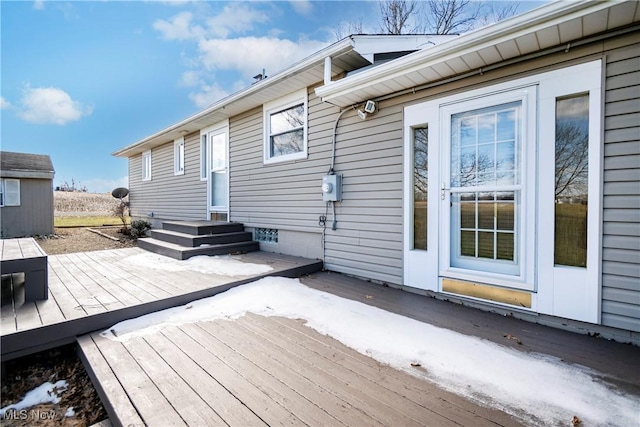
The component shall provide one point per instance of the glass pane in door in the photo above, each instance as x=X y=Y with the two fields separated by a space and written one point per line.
x=218 y=171
x=485 y=188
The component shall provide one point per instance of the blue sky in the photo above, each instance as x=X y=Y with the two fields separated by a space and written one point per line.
x=83 y=79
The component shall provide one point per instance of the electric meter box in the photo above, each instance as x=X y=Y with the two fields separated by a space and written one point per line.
x=332 y=188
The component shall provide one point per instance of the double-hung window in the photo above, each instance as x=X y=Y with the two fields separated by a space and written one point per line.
x=285 y=128
x=146 y=165
x=9 y=192
x=178 y=156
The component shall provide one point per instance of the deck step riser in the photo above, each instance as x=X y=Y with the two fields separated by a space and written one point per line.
x=199 y=230
x=186 y=253
x=192 y=241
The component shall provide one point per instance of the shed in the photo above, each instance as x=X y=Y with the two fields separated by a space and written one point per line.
x=26 y=194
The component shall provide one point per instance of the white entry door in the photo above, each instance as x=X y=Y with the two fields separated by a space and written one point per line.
x=218 y=173
x=486 y=190
x=502 y=193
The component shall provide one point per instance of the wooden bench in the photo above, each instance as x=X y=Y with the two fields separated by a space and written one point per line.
x=24 y=255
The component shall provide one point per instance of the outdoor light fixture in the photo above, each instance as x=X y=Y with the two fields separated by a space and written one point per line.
x=362 y=114
x=370 y=107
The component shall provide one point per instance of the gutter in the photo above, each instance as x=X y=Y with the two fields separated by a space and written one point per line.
x=492 y=35
x=341 y=46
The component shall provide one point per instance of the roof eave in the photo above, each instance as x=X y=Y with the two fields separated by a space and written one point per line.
x=512 y=28
x=343 y=45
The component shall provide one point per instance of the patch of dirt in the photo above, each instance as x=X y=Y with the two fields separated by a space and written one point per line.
x=80 y=239
x=25 y=374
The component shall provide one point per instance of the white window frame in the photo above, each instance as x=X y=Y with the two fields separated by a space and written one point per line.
x=9 y=198
x=178 y=156
x=146 y=165
x=295 y=98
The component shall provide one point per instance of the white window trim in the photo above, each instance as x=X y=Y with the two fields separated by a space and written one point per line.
x=279 y=105
x=144 y=166
x=13 y=198
x=178 y=156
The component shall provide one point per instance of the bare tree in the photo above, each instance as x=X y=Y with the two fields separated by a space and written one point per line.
x=347 y=28
x=397 y=16
x=491 y=14
x=572 y=161
x=451 y=16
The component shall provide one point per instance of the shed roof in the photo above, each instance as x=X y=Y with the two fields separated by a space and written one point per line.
x=25 y=165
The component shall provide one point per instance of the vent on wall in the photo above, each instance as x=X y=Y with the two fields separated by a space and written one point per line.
x=265 y=235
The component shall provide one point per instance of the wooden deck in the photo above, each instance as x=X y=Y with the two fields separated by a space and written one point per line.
x=24 y=255
x=258 y=370
x=93 y=290
x=263 y=371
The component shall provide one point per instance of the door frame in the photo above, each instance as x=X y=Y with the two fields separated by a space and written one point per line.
x=216 y=129
x=568 y=292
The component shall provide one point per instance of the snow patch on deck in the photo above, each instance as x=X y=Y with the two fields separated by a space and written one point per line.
x=536 y=387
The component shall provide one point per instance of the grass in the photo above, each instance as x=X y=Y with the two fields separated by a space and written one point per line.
x=86 y=221
x=77 y=209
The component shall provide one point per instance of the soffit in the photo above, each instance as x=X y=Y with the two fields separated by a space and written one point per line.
x=546 y=27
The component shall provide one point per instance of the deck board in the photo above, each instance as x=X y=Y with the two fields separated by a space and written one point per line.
x=264 y=366
x=94 y=290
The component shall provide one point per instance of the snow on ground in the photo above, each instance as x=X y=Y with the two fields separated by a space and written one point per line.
x=44 y=393
x=226 y=265
x=536 y=387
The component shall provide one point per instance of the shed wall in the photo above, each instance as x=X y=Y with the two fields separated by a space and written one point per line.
x=34 y=216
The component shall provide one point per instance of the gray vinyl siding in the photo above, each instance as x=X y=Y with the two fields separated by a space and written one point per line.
x=287 y=196
x=621 y=189
x=34 y=216
x=169 y=196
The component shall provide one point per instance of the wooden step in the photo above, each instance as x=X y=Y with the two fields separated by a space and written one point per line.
x=198 y=228
x=181 y=252
x=193 y=241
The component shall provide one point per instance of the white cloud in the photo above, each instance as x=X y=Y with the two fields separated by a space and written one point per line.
x=235 y=18
x=303 y=7
x=4 y=104
x=272 y=54
x=190 y=78
x=179 y=27
x=221 y=46
x=50 y=105
x=100 y=185
x=207 y=95
x=38 y=5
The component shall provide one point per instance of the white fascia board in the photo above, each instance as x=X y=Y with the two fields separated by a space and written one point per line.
x=509 y=29
x=369 y=45
x=341 y=46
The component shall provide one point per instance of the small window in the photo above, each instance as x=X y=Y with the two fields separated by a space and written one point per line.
x=572 y=180
x=146 y=166
x=178 y=156
x=203 y=157
x=285 y=128
x=265 y=235
x=420 y=186
x=10 y=192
